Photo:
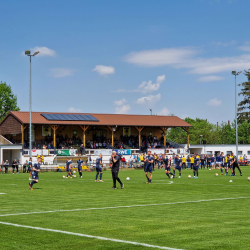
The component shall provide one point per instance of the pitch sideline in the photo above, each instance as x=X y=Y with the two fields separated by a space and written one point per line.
x=89 y=236
x=131 y=206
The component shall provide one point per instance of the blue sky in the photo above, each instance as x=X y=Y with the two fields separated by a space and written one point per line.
x=174 y=57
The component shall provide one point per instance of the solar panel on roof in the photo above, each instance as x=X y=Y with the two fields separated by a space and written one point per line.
x=69 y=117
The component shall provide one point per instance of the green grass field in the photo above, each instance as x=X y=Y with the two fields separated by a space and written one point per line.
x=205 y=213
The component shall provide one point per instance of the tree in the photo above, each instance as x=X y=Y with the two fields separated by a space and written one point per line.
x=8 y=101
x=200 y=127
x=227 y=133
x=244 y=106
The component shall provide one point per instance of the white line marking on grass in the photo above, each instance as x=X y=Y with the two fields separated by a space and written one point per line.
x=171 y=182
x=131 y=206
x=2 y=193
x=89 y=236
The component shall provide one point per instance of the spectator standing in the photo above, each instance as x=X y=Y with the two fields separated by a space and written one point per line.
x=14 y=163
x=6 y=166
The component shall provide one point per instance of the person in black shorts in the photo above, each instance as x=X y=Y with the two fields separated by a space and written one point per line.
x=203 y=161
x=235 y=164
x=35 y=172
x=79 y=166
x=115 y=161
x=149 y=162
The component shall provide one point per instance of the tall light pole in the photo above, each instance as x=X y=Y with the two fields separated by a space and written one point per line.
x=150 y=111
x=27 y=52
x=236 y=123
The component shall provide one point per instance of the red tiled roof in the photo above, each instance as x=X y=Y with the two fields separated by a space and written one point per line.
x=104 y=119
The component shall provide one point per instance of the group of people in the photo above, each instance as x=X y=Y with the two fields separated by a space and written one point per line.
x=223 y=162
x=15 y=166
x=115 y=166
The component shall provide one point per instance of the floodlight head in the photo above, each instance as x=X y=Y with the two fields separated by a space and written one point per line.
x=233 y=72
x=27 y=52
x=35 y=53
x=239 y=72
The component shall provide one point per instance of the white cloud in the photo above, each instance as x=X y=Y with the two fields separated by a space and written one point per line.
x=120 y=102
x=210 y=78
x=73 y=110
x=151 y=99
x=214 y=102
x=164 y=111
x=61 y=72
x=43 y=51
x=104 y=70
x=123 y=109
x=244 y=48
x=147 y=87
x=160 y=57
x=187 y=58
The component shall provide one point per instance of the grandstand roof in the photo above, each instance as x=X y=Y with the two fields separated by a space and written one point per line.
x=103 y=119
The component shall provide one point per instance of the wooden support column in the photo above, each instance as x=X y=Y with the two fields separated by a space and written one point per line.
x=84 y=128
x=187 y=130
x=112 y=129
x=164 y=129
x=23 y=128
x=54 y=128
x=139 y=129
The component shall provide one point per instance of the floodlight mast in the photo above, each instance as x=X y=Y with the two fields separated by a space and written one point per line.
x=236 y=122
x=27 y=52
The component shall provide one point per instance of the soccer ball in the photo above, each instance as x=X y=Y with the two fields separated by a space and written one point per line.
x=63 y=176
x=230 y=181
x=74 y=176
x=74 y=172
x=189 y=176
x=248 y=178
x=216 y=174
x=127 y=178
x=209 y=169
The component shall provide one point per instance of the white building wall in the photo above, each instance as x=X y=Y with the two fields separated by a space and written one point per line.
x=218 y=148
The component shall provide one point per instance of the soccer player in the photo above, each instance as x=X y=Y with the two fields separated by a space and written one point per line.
x=30 y=169
x=167 y=166
x=192 y=162
x=223 y=163
x=203 y=161
x=226 y=164
x=68 y=167
x=196 y=166
x=149 y=161
x=79 y=165
x=218 y=160
x=98 y=162
x=115 y=161
x=184 y=162
x=178 y=164
x=230 y=163
x=35 y=171
x=208 y=161
x=213 y=161
x=235 y=164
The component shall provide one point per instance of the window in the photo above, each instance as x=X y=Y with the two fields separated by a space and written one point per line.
x=209 y=152
x=239 y=152
x=248 y=152
x=229 y=152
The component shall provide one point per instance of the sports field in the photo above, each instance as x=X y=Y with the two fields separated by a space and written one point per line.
x=205 y=213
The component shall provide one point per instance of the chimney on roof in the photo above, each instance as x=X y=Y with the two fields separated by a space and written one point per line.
x=228 y=122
